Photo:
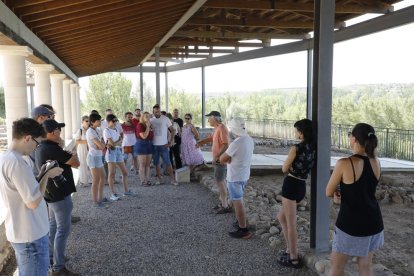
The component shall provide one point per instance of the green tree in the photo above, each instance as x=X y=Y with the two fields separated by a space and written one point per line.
x=110 y=90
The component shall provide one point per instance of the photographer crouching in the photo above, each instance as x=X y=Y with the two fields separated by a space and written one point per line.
x=58 y=193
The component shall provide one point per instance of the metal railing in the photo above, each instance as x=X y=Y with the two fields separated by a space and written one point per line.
x=392 y=143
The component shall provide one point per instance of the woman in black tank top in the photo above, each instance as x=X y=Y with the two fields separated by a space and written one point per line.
x=359 y=226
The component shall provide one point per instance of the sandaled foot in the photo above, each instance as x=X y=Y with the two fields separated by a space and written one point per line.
x=282 y=254
x=288 y=262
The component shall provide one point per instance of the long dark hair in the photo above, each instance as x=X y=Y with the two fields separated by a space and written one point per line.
x=365 y=135
x=305 y=127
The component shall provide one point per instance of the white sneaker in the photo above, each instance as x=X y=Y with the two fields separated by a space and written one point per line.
x=173 y=182
x=158 y=182
x=114 y=197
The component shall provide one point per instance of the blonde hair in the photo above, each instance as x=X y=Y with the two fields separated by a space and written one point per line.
x=144 y=118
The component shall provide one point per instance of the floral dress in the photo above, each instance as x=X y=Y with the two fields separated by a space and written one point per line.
x=190 y=155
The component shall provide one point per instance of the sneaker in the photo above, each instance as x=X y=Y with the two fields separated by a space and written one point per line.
x=223 y=210
x=158 y=182
x=114 y=197
x=132 y=168
x=63 y=272
x=104 y=200
x=98 y=205
x=241 y=233
x=173 y=182
x=129 y=193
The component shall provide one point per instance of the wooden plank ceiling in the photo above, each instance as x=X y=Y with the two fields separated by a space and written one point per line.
x=93 y=36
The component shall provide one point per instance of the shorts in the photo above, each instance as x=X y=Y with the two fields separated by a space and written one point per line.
x=94 y=161
x=236 y=189
x=356 y=246
x=293 y=188
x=114 y=155
x=163 y=152
x=220 y=172
x=143 y=147
x=128 y=150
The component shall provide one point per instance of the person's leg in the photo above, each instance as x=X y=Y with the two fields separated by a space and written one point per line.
x=32 y=258
x=289 y=207
x=365 y=265
x=142 y=168
x=96 y=175
x=52 y=231
x=282 y=220
x=101 y=183
x=156 y=160
x=220 y=172
x=170 y=154
x=240 y=213
x=124 y=172
x=63 y=211
x=135 y=162
x=338 y=263
x=111 y=176
x=147 y=160
x=165 y=155
x=177 y=157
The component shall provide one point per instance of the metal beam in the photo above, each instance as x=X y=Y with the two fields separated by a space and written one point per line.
x=194 y=8
x=239 y=35
x=195 y=51
x=166 y=91
x=141 y=86
x=203 y=96
x=309 y=84
x=177 y=55
x=157 y=76
x=14 y=28
x=322 y=116
x=141 y=68
x=189 y=42
x=251 y=21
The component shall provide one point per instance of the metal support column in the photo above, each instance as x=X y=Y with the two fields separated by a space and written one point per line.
x=157 y=76
x=309 y=85
x=141 y=86
x=322 y=115
x=166 y=91
x=203 y=97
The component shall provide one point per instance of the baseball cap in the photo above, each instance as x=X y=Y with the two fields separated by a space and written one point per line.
x=237 y=126
x=51 y=125
x=214 y=113
x=41 y=111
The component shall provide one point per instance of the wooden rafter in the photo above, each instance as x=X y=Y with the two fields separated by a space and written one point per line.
x=189 y=42
x=238 y=35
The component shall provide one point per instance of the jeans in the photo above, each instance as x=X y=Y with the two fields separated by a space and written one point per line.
x=60 y=221
x=32 y=257
x=164 y=153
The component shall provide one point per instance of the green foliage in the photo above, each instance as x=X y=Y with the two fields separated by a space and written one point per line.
x=110 y=90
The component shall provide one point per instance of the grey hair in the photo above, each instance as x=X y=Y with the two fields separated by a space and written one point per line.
x=218 y=119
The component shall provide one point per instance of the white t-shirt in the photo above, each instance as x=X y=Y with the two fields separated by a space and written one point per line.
x=129 y=136
x=110 y=133
x=104 y=124
x=240 y=151
x=160 y=128
x=90 y=135
x=18 y=186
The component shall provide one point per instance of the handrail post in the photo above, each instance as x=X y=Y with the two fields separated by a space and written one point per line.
x=339 y=136
x=387 y=133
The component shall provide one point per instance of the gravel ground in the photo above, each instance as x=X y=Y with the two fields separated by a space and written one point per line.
x=165 y=230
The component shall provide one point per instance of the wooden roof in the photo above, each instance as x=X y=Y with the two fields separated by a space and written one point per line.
x=93 y=36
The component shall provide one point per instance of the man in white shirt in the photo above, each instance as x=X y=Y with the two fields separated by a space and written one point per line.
x=238 y=157
x=162 y=142
x=27 y=224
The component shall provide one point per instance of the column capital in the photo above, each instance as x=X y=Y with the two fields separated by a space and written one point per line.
x=58 y=76
x=43 y=67
x=9 y=50
x=74 y=85
x=67 y=81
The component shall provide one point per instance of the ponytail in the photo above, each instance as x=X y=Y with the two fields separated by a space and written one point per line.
x=365 y=136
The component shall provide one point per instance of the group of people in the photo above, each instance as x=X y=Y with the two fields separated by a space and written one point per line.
x=39 y=232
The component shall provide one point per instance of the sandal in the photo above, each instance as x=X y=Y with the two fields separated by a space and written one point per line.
x=288 y=262
x=145 y=184
x=283 y=254
x=149 y=183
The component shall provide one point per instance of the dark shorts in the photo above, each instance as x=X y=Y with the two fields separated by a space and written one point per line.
x=163 y=152
x=220 y=172
x=143 y=147
x=293 y=188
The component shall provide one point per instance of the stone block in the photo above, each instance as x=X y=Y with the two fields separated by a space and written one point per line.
x=182 y=175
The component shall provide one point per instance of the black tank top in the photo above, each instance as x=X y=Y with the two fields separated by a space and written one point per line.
x=304 y=160
x=360 y=214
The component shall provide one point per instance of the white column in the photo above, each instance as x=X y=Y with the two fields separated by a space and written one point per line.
x=15 y=87
x=57 y=98
x=42 y=94
x=78 y=111
x=73 y=88
x=67 y=109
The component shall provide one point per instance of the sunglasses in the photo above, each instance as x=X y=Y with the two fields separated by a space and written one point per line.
x=187 y=118
x=37 y=143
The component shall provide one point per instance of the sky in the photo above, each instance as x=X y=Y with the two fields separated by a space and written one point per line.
x=385 y=57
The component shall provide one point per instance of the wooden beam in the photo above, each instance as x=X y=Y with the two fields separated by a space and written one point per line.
x=24 y=3
x=47 y=6
x=250 y=21
x=374 y=7
x=196 y=51
x=238 y=35
x=189 y=42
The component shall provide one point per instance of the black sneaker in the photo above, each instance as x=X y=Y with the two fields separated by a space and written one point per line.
x=236 y=224
x=223 y=210
x=218 y=206
x=241 y=233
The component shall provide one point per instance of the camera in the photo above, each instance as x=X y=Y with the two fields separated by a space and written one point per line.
x=59 y=180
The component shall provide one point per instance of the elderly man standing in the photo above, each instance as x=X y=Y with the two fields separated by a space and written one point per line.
x=238 y=157
x=220 y=142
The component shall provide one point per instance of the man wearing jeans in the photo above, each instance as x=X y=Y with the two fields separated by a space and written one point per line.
x=163 y=140
x=238 y=157
x=26 y=221
x=220 y=142
x=58 y=194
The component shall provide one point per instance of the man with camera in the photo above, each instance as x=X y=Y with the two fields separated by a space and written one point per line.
x=58 y=193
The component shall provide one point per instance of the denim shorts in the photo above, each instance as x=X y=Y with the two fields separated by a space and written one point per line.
x=114 y=155
x=236 y=189
x=163 y=152
x=94 y=161
x=356 y=246
x=128 y=150
x=143 y=147
x=220 y=172
x=33 y=257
